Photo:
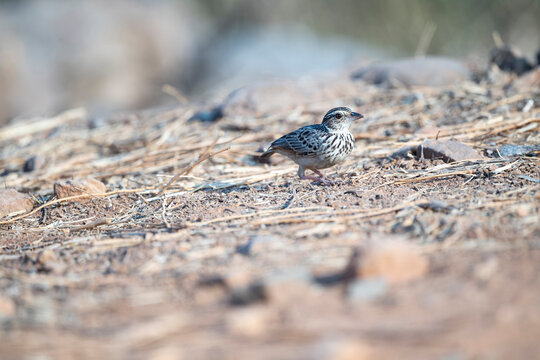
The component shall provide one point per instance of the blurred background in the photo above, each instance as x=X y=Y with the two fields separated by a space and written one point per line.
x=117 y=55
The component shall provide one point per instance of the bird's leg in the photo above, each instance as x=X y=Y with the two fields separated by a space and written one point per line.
x=318 y=180
x=323 y=179
x=303 y=176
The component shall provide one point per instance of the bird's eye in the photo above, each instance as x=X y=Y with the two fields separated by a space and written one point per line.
x=339 y=116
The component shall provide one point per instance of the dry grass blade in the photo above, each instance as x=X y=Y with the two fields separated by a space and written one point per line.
x=90 y=225
x=256 y=214
x=174 y=92
x=203 y=157
x=29 y=128
x=432 y=177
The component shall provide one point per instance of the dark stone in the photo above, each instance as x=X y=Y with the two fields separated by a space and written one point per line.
x=251 y=294
x=208 y=116
x=212 y=280
x=410 y=99
x=33 y=163
x=508 y=60
x=347 y=275
x=30 y=164
x=519 y=150
x=96 y=122
x=260 y=244
x=436 y=205
x=403 y=152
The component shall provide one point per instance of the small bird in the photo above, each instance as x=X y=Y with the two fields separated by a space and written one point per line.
x=318 y=146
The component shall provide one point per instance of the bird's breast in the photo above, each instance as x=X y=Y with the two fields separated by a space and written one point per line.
x=337 y=147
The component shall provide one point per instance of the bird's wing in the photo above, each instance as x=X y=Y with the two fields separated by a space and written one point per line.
x=305 y=141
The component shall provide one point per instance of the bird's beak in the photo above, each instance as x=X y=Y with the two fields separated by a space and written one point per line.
x=357 y=115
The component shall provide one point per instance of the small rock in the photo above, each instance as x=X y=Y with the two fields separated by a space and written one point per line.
x=348 y=274
x=519 y=150
x=524 y=210
x=367 y=165
x=46 y=256
x=404 y=152
x=12 y=202
x=435 y=205
x=167 y=352
x=509 y=60
x=63 y=189
x=344 y=349
x=289 y=286
x=447 y=150
x=367 y=290
x=7 y=307
x=96 y=122
x=47 y=261
x=208 y=116
x=33 y=163
x=422 y=71
x=235 y=279
x=410 y=99
x=394 y=260
x=248 y=322
x=247 y=295
x=485 y=270
x=261 y=244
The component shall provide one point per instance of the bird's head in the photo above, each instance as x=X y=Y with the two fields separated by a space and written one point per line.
x=340 y=118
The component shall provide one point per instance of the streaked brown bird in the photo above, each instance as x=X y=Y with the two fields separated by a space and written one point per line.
x=318 y=146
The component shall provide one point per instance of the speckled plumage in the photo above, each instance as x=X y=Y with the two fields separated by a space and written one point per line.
x=318 y=146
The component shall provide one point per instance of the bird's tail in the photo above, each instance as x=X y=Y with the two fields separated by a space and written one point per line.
x=267 y=153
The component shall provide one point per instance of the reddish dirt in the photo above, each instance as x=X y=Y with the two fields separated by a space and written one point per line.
x=175 y=278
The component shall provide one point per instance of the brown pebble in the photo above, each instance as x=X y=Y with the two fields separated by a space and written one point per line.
x=248 y=322
x=46 y=261
x=12 y=201
x=63 y=189
x=288 y=287
x=395 y=260
x=46 y=256
x=7 y=307
x=344 y=349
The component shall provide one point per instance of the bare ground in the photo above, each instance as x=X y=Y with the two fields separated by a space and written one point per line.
x=190 y=272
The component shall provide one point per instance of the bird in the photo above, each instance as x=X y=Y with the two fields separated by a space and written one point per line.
x=318 y=146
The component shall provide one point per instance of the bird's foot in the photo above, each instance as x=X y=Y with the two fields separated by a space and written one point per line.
x=323 y=180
